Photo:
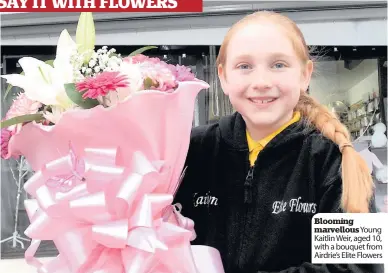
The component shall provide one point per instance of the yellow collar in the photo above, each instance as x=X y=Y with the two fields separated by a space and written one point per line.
x=252 y=144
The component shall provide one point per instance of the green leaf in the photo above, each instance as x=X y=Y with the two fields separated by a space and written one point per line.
x=76 y=97
x=21 y=119
x=50 y=62
x=113 y=55
x=148 y=83
x=141 y=50
x=86 y=34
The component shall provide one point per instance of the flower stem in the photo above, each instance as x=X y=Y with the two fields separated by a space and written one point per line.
x=21 y=119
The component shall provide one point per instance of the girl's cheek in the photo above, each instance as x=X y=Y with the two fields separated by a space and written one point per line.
x=286 y=79
x=242 y=78
x=236 y=81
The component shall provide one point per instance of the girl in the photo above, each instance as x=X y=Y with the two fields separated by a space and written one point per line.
x=255 y=179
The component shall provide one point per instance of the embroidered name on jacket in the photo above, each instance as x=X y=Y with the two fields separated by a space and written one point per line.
x=204 y=200
x=293 y=205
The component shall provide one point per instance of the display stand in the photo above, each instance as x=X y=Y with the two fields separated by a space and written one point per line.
x=16 y=238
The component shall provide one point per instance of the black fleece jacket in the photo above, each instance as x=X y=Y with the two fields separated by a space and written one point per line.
x=236 y=209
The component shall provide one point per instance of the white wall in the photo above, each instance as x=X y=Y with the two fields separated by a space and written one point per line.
x=326 y=27
x=320 y=33
x=326 y=82
x=332 y=81
x=366 y=86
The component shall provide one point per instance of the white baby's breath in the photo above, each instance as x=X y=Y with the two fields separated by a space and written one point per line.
x=99 y=61
x=104 y=59
x=92 y=63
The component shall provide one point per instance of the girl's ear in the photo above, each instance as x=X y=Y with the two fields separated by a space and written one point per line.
x=306 y=77
x=222 y=77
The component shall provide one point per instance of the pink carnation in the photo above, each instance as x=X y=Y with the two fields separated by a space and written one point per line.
x=165 y=77
x=182 y=73
x=5 y=138
x=161 y=75
x=22 y=105
x=102 y=84
x=140 y=58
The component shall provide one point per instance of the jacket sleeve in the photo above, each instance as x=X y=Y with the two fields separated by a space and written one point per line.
x=194 y=181
x=192 y=164
x=329 y=194
x=195 y=161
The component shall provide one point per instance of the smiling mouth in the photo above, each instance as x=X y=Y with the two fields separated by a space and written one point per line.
x=262 y=101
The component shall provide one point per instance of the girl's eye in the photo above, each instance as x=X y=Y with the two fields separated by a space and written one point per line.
x=279 y=65
x=243 y=66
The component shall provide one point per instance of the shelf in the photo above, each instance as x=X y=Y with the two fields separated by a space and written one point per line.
x=379 y=148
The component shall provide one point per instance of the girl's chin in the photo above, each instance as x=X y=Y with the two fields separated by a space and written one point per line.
x=266 y=118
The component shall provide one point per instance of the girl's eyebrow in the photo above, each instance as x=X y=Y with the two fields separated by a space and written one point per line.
x=280 y=55
x=243 y=56
x=272 y=55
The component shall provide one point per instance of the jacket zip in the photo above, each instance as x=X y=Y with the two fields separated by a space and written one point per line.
x=248 y=184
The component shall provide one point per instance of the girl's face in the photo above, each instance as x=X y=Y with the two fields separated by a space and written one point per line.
x=263 y=76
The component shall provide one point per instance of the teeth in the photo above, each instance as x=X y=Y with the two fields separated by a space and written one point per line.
x=263 y=101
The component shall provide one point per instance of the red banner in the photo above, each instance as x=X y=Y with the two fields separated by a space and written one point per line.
x=101 y=5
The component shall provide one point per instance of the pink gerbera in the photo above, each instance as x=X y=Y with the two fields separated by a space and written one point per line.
x=102 y=84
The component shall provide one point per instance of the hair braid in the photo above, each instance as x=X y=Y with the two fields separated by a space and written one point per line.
x=357 y=181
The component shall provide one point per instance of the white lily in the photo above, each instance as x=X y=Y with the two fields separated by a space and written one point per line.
x=44 y=83
x=65 y=49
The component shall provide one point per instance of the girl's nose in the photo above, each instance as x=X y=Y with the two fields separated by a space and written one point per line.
x=261 y=81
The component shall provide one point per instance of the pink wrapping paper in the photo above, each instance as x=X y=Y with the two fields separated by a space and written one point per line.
x=104 y=185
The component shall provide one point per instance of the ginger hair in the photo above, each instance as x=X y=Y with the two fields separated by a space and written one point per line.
x=357 y=183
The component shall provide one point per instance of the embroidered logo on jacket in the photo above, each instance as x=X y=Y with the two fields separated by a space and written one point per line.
x=293 y=205
x=204 y=200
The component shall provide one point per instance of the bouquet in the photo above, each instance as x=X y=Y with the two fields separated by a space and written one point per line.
x=107 y=137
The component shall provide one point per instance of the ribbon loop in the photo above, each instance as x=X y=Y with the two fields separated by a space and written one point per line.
x=180 y=220
x=112 y=234
x=97 y=156
x=101 y=215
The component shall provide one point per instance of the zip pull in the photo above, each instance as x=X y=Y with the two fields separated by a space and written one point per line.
x=248 y=187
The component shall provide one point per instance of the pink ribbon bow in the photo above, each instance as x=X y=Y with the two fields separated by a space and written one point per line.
x=109 y=219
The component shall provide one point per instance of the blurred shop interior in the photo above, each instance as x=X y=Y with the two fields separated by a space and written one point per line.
x=351 y=80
